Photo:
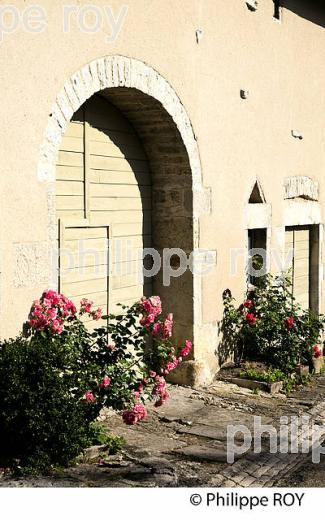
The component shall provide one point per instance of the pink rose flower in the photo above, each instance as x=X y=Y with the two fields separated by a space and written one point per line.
x=168 y=327
x=317 y=351
x=51 y=297
x=106 y=382
x=138 y=413
x=187 y=349
x=129 y=417
x=156 y=329
x=289 y=322
x=89 y=396
x=150 y=308
x=171 y=366
x=57 y=326
x=96 y=315
x=251 y=319
x=70 y=307
x=164 y=397
x=52 y=313
x=147 y=320
x=85 y=306
x=160 y=390
x=151 y=305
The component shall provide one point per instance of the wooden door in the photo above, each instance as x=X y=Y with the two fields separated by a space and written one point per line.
x=298 y=241
x=103 y=190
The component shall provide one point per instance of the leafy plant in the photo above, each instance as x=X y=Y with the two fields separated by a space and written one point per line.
x=99 y=436
x=57 y=376
x=271 y=375
x=270 y=326
x=114 y=443
x=274 y=375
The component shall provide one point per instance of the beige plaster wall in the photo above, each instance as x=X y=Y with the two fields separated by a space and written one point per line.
x=280 y=64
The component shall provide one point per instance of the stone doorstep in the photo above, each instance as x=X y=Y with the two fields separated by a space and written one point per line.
x=271 y=388
x=203 y=453
x=213 y=433
x=203 y=431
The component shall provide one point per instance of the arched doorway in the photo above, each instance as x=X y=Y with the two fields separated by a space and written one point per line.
x=149 y=104
x=123 y=174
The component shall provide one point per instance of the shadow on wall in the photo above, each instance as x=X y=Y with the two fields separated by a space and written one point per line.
x=312 y=10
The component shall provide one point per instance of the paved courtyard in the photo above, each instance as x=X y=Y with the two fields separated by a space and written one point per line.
x=183 y=444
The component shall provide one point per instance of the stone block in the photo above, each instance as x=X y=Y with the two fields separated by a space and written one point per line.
x=272 y=388
x=190 y=373
x=302 y=370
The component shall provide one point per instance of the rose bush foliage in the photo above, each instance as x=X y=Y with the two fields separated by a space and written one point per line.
x=271 y=327
x=57 y=376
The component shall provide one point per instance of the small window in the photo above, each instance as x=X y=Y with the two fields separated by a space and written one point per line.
x=256 y=196
x=277 y=9
x=257 y=259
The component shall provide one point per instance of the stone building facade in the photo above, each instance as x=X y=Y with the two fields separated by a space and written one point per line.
x=189 y=128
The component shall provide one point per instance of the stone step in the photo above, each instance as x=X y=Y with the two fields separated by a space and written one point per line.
x=203 y=453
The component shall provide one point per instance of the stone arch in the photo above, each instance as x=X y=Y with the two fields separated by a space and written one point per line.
x=156 y=112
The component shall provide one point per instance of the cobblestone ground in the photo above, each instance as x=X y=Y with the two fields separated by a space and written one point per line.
x=183 y=444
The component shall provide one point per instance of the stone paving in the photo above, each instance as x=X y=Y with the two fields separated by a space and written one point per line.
x=183 y=444
x=268 y=469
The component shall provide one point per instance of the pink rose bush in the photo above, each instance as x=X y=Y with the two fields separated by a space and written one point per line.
x=164 y=356
x=120 y=370
x=59 y=373
x=270 y=326
x=160 y=360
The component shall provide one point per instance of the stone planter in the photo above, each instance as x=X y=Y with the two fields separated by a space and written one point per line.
x=271 y=388
x=318 y=364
